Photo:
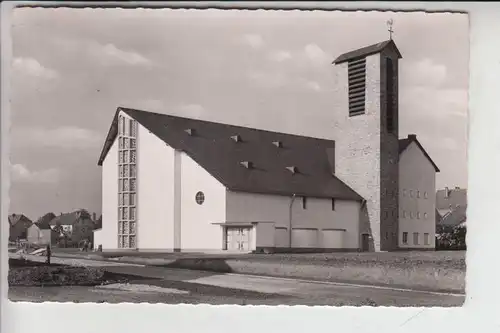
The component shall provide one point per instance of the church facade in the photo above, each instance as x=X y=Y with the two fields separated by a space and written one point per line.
x=177 y=184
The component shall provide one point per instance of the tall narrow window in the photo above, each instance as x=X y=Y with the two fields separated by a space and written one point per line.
x=357 y=86
x=405 y=238
x=304 y=202
x=333 y=203
x=415 y=238
x=390 y=94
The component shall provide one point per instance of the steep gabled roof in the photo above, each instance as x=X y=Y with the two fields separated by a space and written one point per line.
x=456 y=217
x=70 y=218
x=404 y=143
x=212 y=146
x=44 y=221
x=15 y=218
x=456 y=197
x=366 y=51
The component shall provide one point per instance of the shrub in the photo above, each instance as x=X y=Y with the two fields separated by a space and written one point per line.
x=451 y=238
x=55 y=276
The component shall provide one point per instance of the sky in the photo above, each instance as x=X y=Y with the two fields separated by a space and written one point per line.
x=71 y=69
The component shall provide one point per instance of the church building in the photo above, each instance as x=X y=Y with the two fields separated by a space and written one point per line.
x=176 y=184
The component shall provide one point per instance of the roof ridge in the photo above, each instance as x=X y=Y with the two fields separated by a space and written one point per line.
x=366 y=51
x=226 y=124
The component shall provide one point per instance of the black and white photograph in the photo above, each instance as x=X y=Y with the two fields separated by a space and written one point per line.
x=240 y=157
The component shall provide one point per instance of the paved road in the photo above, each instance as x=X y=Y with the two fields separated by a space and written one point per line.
x=216 y=288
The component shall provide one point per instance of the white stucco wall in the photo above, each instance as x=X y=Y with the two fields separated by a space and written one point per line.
x=264 y=235
x=357 y=141
x=155 y=192
x=248 y=207
x=38 y=236
x=281 y=237
x=98 y=238
x=416 y=174
x=109 y=231
x=198 y=231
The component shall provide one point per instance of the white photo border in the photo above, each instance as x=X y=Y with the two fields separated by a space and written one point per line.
x=483 y=288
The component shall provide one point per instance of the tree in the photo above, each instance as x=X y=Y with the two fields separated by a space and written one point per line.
x=459 y=233
x=98 y=224
x=451 y=237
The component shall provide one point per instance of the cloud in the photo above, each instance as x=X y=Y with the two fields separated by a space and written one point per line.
x=280 y=55
x=449 y=144
x=267 y=79
x=63 y=137
x=435 y=103
x=154 y=105
x=20 y=173
x=313 y=85
x=253 y=40
x=192 y=111
x=425 y=72
x=31 y=67
x=109 y=54
x=316 y=55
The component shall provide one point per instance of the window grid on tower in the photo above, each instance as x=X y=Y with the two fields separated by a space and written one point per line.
x=127 y=183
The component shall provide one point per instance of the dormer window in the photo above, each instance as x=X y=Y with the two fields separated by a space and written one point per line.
x=236 y=138
x=292 y=169
x=278 y=144
x=247 y=164
x=190 y=131
x=357 y=86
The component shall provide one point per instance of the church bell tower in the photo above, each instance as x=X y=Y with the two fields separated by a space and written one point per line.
x=366 y=138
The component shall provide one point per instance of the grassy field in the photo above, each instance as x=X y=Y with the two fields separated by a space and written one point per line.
x=426 y=270
x=442 y=259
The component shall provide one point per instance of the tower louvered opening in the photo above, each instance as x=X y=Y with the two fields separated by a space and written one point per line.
x=357 y=86
x=390 y=95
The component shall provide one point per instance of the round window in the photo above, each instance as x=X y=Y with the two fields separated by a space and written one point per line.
x=200 y=198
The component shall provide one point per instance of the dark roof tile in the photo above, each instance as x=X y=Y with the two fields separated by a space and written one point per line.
x=15 y=218
x=457 y=216
x=70 y=218
x=221 y=157
x=366 y=51
x=456 y=197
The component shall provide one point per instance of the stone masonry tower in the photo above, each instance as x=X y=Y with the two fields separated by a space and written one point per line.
x=366 y=138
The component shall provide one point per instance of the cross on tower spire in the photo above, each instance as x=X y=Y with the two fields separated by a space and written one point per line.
x=389 y=24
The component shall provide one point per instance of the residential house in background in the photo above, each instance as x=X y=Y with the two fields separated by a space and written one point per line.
x=177 y=184
x=18 y=227
x=417 y=204
x=451 y=204
x=73 y=227
x=40 y=232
